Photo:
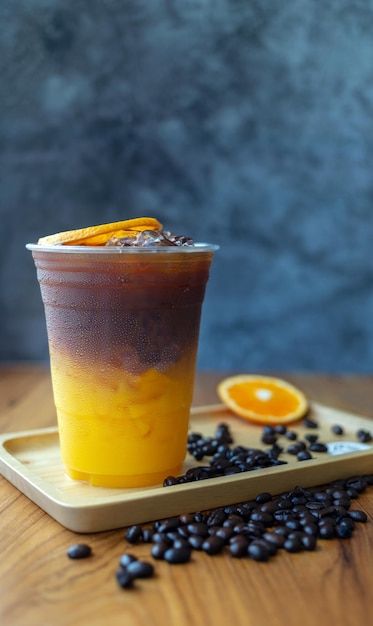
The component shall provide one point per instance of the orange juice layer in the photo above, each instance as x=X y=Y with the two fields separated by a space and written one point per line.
x=122 y=429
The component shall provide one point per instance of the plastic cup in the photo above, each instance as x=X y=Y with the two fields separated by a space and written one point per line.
x=123 y=327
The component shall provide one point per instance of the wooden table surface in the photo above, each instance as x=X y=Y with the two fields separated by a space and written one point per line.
x=40 y=586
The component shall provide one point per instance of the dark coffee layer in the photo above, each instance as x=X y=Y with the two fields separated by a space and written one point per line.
x=135 y=313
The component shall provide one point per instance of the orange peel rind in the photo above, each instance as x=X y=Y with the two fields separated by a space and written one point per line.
x=263 y=399
x=99 y=235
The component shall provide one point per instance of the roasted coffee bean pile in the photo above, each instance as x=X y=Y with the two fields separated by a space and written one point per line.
x=226 y=459
x=293 y=521
x=257 y=529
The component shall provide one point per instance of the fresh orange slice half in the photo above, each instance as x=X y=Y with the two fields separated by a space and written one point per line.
x=81 y=235
x=263 y=399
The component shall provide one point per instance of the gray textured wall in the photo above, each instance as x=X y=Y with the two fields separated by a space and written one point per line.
x=247 y=123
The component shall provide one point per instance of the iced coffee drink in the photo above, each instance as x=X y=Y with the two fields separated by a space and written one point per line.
x=123 y=311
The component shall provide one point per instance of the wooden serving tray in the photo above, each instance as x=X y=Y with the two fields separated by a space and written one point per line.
x=31 y=461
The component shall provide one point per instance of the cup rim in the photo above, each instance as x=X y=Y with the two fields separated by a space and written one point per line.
x=195 y=248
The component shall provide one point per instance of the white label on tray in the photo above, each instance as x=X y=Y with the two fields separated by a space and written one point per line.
x=344 y=447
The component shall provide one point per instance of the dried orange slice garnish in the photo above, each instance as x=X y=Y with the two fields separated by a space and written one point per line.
x=81 y=235
x=101 y=240
x=263 y=399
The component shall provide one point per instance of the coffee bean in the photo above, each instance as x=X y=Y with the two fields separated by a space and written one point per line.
x=173 y=535
x=133 y=534
x=337 y=429
x=177 y=556
x=263 y=518
x=318 y=447
x=258 y=551
x=213 y=545
x=346 y=521
x=183 y=532
x=358 y=484
x=310 y=423
x=147 y=535
x=315 y=505
x=326 y=531
x=196 y=542
x=216 y=518
x=298 y=500
x=342 y=502
x=310 y=529
x=238 y=548
x=268 y=438
x=285 y=503
x=79 y=551
x=308 y=542
x=282 y=516
x=181 y=543
x=321 y=496
x=268 y=545
x=326 y=521
x=276 y=539
x=306 y=518
x=229 y=523
x=291 y=435
x=280 y=429
x=261 y=498
x=269 y=507
x=160 y=538
x=358 y=516
x=126 y=559
x=140 y=569
x=311 y=438
x=225 y=533
x=293 y=524
x=124 y=578
x=293 y=544
x=200 y=529
x=238 y=519
x=364 y=436
x=169 y=481
x=343 y=532
x=186 y=519
x=213 y=530
x=352 y=493
x=239 y=527
x=295 y=534
x=254 y=529
x=168 y=525
x=158 y=550
x=304 y=455
x=293 y=448
x=328 y=512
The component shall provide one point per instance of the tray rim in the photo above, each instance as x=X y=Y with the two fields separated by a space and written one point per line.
x=47 y=496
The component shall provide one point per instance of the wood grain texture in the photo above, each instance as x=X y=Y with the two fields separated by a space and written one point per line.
x=40 y=586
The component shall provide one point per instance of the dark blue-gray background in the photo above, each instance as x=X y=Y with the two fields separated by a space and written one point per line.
x=244 y=122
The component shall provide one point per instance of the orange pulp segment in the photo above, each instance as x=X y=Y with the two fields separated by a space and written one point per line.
x=263 y=399
x=80 y=235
